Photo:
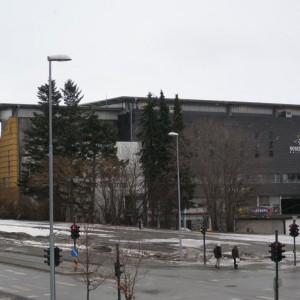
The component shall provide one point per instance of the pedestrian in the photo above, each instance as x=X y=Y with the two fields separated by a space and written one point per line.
x=235 y=256
x=218 y=255
x=140 y=224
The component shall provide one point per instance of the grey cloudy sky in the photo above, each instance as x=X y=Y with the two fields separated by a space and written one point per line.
x=239 y=50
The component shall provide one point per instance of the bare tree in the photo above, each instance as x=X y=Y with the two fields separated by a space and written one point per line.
x=111 y=191
x=225 y=166
x=90 y=264
x=131 y=271
x=135 y=202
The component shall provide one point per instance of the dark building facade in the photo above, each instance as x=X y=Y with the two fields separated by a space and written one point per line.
x=275 y=129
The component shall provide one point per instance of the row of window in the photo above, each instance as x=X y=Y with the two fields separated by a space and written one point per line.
x=270 y=144
x=278 y=178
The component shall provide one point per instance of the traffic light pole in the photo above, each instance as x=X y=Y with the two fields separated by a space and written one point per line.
x=276 y=290
x=118 y=273
x=294 y=222
x=204 y=249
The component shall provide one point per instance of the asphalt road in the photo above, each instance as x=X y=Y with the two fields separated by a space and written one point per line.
x=23 y=275
x=180 y=282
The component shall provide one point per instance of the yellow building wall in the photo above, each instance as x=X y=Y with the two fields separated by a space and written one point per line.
x=9 y=161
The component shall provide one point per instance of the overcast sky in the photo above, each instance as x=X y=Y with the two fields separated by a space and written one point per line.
x=239 y=50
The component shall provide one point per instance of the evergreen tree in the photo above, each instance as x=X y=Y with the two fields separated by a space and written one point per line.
x=178 y=124
x=155 y=157
x=149 y=138
x=186 y=183
x=79 y=138
x=164 y=127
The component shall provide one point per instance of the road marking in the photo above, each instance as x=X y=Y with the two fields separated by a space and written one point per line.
x=21 y=288
x=12 y=278
x=32 y=296
x=35 y=286
x=15 y=272
x=7 y=290
x=66 y=283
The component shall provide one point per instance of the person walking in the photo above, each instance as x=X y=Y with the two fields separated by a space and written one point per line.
x=218 y=255
x=235 y=256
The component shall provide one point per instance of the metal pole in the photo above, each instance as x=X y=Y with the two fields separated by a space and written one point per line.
x=276 y=291
x=179 y=201
x=204 y=249
x=118 y=271
x=294 y=222
x=130 y=121
x=51 y=238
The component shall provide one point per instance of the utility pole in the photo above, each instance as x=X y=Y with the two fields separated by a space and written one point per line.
x=118 y=271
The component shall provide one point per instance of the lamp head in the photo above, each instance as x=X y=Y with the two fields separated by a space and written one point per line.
x=59 y=57
x=173 y=133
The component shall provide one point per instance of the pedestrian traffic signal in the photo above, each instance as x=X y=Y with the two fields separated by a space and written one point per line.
x=202 y=229
x=57 y=256
x=47 y=256
x=294 y=230
x=75 y=232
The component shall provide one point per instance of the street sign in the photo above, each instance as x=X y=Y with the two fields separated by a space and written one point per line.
x=74 y=252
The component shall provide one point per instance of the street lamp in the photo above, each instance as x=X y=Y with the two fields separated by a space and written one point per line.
x=175 y=134
x=51 y=237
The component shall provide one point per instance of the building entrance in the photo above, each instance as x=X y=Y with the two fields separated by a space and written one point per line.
x=290 y=206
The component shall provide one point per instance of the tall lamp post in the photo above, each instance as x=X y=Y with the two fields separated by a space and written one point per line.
x=175 y=134
x=51 y=236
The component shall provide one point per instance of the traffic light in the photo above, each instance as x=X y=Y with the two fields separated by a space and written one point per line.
x=294 y=230
x=272 y=251
x=47 y=255
x=75 y=232
x=279 y=248
x=57 y=256
x=118 y=270
x=276 y=251
x=202 y=229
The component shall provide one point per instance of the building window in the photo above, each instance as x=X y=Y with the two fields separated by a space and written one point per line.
x=273 y=178
x=271 y=144
x=291 y=178
x=267 y=178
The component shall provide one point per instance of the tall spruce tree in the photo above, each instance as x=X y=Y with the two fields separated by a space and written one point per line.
x=36 y=148
x=155 y=155
x=186 y=183
x=149 y=137
x=164 y=151
x=69 y=150
x=178 y=124
x=164 y=127
x=78 y=137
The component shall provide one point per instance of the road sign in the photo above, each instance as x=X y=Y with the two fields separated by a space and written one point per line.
x=74 y=252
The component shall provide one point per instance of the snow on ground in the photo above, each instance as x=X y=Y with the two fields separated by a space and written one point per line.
x=42 y=229
x=193 y=248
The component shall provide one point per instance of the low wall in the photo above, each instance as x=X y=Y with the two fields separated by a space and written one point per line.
x=266 y=226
